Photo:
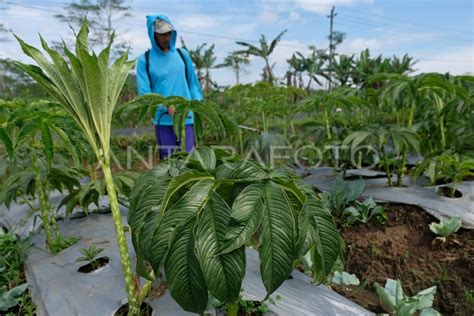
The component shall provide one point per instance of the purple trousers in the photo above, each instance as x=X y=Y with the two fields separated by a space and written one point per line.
x=167 y=141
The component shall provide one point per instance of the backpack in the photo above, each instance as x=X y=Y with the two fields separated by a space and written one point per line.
x=147 y=60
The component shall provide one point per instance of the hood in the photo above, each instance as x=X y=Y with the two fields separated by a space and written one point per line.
x=150 y=19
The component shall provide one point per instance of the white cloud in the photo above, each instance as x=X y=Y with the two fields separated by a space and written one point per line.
x=358 y=44
x=324 y=6
x=196 y=22
x=455 y=61
x=383 y=44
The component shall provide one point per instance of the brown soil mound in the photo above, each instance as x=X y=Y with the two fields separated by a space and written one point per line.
x=407 y=250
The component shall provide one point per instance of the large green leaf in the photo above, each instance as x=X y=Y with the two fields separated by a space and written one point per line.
x=323 y=229
x=183 y=272
x=205 y=157
x=243 y=171
x=154 y=246
x=246 y=216
x=277 y=249
x=223 y=273
x=179 y=182
x=7 y=142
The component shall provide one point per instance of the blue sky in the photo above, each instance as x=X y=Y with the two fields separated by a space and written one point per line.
x=437 y=33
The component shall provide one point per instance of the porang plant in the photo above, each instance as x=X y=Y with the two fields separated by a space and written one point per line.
x=27 y=135
x=194 y=214
x=88 y=87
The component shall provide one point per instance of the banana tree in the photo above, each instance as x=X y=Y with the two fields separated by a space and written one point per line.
x=264 y=52
x=88 y=86
x=29 y=131
x=194 y=214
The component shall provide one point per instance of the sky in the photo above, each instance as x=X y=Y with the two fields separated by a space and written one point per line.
x=438 y=34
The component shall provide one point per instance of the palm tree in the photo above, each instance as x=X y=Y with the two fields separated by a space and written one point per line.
x=314 y=65
x=235 y=61
x=197 y=56
x=209 y=60
x=264 y=52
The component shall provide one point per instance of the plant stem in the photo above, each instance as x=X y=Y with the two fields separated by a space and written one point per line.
x=145 y=289
x=326 y=122
x=233 y=309
x=401 y=169
x=42 y=200
x=241 y=142
x=442 y=132
x=412 y=114
x=133 y=305
x=183 y=137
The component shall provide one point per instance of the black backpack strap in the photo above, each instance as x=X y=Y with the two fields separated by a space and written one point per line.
x=147 y=61
x=185 y=65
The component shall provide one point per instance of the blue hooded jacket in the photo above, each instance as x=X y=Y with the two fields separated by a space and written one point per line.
x=167 y=72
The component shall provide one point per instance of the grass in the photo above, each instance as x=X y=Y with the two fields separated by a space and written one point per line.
x=12 y=273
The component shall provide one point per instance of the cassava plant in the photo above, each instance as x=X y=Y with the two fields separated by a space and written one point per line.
x=194 y=214
x=88 y=86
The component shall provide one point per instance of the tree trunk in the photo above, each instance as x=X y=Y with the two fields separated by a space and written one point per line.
x=207 y=82
x=237 y=74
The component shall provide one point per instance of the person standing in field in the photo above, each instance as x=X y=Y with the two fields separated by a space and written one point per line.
x=168 y=71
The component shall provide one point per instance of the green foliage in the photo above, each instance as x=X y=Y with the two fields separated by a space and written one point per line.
x=60 y=243
x=204 y=112
x=193 y=214
x=403 y=140
x=445 y=167
x=10 y=298
x=342 y=193
x=12 y=278
x=251 y=307
x=393 y=296
x=89 y=254
x=89 y=193
x=446 y=227
x=344 y=278
x=88 y=87
x=364 y=211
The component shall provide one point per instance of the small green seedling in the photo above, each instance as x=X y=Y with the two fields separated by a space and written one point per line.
x=344 y=278
x=342 y=193
x=9 y=299
x=364 y=211
x=446 y=227
x=90 y=254
x=393 y=296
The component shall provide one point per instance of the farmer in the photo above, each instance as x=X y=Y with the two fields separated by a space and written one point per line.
x=168 y=71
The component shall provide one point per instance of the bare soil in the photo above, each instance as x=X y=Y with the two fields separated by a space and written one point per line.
x=405 y=249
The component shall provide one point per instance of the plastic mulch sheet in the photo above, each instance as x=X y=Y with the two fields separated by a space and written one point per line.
x=59 y=289
x=425 y=197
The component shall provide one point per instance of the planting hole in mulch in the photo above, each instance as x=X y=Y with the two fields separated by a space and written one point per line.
x=447 y=192
x=94 y=265
x=145 y=310
x=357 y=177
x=405 y=249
